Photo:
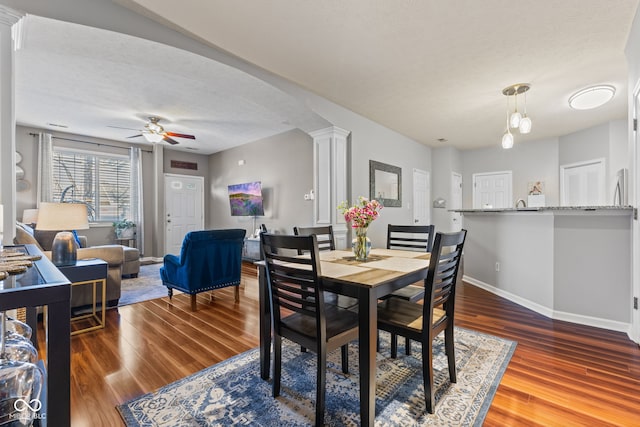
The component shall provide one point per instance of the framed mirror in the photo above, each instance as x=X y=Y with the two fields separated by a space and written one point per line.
x=385 y=184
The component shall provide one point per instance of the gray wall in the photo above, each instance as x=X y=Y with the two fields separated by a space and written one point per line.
x=445 y=161
x=284 y=165
x=371 y=141
x=102 y=233
x=541 y=160
x=529 y=161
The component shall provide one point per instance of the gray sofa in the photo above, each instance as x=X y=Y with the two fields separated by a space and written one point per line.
x=82 y=295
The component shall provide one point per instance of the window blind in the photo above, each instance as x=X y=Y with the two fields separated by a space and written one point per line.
x=102 y=182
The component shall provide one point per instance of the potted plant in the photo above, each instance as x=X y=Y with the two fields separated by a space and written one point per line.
x=125 y=229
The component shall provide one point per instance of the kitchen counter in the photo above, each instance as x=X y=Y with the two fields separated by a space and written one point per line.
x=549 y=208
x=567 y=263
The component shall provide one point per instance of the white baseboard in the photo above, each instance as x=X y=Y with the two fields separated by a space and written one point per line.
x=548 y=312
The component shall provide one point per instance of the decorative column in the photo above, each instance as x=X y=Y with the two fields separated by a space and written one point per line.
x=8 y=17
x=331 y=160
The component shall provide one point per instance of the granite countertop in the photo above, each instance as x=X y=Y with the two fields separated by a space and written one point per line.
x=548 y=208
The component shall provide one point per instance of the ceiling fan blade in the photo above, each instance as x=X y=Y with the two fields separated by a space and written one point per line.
x=179 y=135
x=134 y=136
x=170 y=141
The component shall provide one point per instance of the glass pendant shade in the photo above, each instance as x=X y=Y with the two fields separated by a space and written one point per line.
x=152 y=137
x=525 y=125
x=507 y=140
x=514 y=120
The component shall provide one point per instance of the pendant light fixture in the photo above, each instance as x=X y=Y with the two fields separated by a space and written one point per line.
x=516 y=120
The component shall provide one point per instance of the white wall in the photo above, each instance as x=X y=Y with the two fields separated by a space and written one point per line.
x=632 y=52
x=445 y=161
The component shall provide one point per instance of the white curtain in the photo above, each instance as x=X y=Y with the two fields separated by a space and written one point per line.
x=45 y=168
x=137 y=203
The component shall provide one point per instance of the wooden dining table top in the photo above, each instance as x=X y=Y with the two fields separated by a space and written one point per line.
x=382 y=265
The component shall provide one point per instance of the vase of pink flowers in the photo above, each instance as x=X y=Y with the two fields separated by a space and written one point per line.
x=360 y=216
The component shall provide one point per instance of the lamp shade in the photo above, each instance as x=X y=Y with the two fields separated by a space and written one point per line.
x=152 y=137
x=30 y=216
x=62 y=216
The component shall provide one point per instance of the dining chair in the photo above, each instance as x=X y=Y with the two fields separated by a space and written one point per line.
x=423 y=322
x=324 y=234
x=299 y=312
x=410 y=238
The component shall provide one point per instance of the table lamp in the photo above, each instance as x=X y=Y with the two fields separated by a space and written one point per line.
x=63 y=217
x=30 y=216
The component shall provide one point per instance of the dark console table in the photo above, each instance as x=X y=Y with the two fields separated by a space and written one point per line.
x=44 y=285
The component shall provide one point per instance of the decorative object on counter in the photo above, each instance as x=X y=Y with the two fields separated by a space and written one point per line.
x=440 y=203
x=65 y=218
x=15 y=262
x=125 y=229
x=361 y=215
x=515 y=119
x=21 y=380
x=536 y=197
x=385 y=184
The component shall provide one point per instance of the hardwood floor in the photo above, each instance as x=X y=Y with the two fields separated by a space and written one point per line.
x=560 y=374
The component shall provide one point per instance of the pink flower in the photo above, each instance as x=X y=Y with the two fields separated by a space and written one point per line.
x=362 y=213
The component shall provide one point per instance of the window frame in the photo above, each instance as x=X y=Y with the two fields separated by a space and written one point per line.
x=97 y=181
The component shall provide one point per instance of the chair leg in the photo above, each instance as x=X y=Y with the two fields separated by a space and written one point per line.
x=321 y=386
x=237 y=293
x=170 y=292
x=277 y=364
x=394 y=346
x=427 y=375
x=450 y=350
x=193 y=302
x=345 y=358
x=407 y=346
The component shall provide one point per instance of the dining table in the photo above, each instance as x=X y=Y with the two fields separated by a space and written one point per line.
x=384 y=271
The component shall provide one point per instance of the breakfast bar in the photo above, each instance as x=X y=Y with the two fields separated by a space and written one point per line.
x=568 y=263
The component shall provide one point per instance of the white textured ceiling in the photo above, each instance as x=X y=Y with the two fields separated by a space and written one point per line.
x=90 y=79
x=428 y=69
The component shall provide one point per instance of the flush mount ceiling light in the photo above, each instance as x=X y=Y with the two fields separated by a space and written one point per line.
x=592 y=97
x=515 y=119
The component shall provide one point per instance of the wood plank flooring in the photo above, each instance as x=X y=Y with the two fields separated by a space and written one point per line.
x=561 y=374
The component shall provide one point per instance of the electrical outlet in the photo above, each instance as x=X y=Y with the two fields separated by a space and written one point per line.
x=497 y=266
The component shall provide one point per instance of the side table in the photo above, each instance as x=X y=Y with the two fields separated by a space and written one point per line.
x=85 y=272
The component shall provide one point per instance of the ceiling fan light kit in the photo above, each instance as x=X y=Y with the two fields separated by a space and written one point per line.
x=154 y=132
x=515 y=119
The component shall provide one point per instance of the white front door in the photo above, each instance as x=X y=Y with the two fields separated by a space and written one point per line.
x=456 y=202
x=421 y=196
x=583 y=184
x=183 y=208
x=492 y=190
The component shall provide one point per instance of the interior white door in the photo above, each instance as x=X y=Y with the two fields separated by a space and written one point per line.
x=492 y=190
x=183 y=208
x=456 y=202
x=421 y=197
x=583 y=184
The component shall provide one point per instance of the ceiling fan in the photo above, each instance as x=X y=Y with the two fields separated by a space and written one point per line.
x=154 y=132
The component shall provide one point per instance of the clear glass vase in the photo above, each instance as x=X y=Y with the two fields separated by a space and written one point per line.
x=361 y=244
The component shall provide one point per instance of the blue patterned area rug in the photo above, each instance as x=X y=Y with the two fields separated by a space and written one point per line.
x=146 y=286
x=232 y=392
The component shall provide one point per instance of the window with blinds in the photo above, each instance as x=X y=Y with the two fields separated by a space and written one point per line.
x=101 y=181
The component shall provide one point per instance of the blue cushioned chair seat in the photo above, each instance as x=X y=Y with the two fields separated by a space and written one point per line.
x=209 y=259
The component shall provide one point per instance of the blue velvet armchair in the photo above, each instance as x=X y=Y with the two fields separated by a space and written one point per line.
x=209 y=259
